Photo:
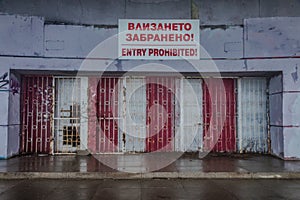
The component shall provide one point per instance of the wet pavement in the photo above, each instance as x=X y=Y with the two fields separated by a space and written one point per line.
x=149 y=189
x=130 y=163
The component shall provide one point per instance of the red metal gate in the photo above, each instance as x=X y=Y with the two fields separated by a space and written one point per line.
x=160 y=114
x=37 y=110
x=103 y=115
x=219 y=111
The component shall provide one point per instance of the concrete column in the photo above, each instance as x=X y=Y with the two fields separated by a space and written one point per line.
x=4 y=95
x=275 y=106
x=291 y=112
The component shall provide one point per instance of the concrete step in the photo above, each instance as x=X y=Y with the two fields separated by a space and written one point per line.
x=150 y=175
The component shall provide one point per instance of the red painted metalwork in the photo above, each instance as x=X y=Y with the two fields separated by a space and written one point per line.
x=103 y=115
x=36 y=111
x=160 y=114
x=219 y=111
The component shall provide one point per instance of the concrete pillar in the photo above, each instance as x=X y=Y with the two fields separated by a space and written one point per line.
x=4 y=96
x=275 y=106
x=291 y=112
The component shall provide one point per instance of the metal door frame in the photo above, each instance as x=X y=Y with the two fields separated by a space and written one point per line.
x=81 y=125
x=240 y=131
x=184 y=141
x=132 y=127
x=42 y=118
x=96 y=134
x=165 y=143
x=234 y=144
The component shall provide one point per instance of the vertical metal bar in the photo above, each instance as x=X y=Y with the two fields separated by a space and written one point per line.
x=108 y=123
x=162 y=136
x=23 y=124
x=157 y=99
x=219 y=137
x=26 y=88
x=102 y=114
x=30 y=135
x=102 y=121
x=116 y=113
x=33 y=109
x=27 y=116
x=124 y=114
x=110 y=132
x=268 y=117
x=54 y=123
x=114 y=88
x=102 y=146
x=41 y=136
x=166 y=133
x=50 y=119
x=239 y=119
x=228 y=132
x=181 y=121
x=43 y=120
x=54 y=133
x=114 y=92
x=170 y=107
x=234 y=115
x=37 y=133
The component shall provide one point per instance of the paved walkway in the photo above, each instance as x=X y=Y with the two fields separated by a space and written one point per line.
x=136 y=166
x=160 y=189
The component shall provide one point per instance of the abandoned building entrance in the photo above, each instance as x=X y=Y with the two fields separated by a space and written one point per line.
x=63 y=114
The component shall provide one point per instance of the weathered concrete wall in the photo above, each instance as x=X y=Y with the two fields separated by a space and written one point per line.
x=21 y=36
x=276 y=111
x=222 y=43
x=272 y=37
x=14 y=115
x=279 y=8
x=226 y=12
x=277 y=143
x=3 y=143
x=107 y=12
x=158 y=9
x=68 y=11
x=233 y=12
x=291 y=142
x=58 y=42
x=104 y=12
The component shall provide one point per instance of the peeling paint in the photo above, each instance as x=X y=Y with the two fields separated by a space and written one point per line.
x=245 y=65
x=295 y=74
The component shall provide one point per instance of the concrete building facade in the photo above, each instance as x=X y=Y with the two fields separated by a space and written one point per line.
x=49 y=48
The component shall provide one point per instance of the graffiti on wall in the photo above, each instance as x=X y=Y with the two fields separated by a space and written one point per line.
x=3 y=80
x=12 y=85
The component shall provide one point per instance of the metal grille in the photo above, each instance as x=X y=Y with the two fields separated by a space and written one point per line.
x=252 y=115
x=69 y=106
x=219 y=115
x=103 y=115
x=190 y=135
x=37 y=99
x=160 y=92
x=134 y=108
